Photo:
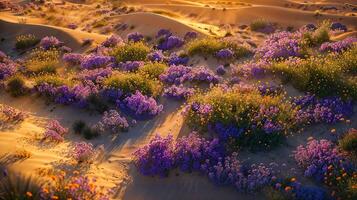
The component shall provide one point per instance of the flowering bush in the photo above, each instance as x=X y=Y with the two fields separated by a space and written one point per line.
x=178 y=92
x=141 y=105
x=156 y=158
x=42 y=62
x=175 y=74
x=153 y=70
x=225 y=54
x=203 y=74
x=72 y=186
x=49 y=42
x=177 y=59
x=72 y=59
x=11 y=114
x=221 y=70
x=95 y=61
x=328 y=110
x=170 y=42
x=112 y=41
x=349 y=142
x=54 y=131
x=7 y=70
x=131 y=65
x=338 y=26
x=83 y=151
x=262 y=26
x=191 y=35
x=113 y=122
x=338 y=46
x=156 y=56
x=95 y=75
x=135 y=37
x=233 y=112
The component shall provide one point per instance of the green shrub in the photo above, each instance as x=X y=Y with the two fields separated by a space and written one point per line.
x=258 y=24
x=210 y=46
x=130 y=82
x=349 y=142
x=43 y=62
x=51 y=80
x=153 y=70
x=16 y=86
x=317 y=37
x=324 y=76
x=26 y=41
x=239 y=108
x=131 y=52
x=78 y=126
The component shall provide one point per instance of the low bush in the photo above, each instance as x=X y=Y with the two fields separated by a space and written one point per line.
x=26 y=41
x=210 y=46
x=130 y=82
x=349 y=142
x=153 y=70
x=16 y=86
x=78 y=126
x=43 y=62
x=242 y=116
x=137 y=51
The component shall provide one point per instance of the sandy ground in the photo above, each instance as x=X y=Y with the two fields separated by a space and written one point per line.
x=112 y=167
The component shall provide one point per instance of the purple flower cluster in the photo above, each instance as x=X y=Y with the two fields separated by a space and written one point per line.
x=135 y=37
x=318 y=156
x=72 y=26
x=252 y=69
x=175 y=59
x=279 y=45
x=203 y=74
x=11 y=114
x=338 y=26
x=113 y=122
x=163 y=33
x=131 y=65
x=95 y=75
x=64 y=94
x=220 y=70
x=156 y=56
x=7 y=70
x=113 y=41
x=202 y=109
x=225 y=54
x=54 y=131
x=141 y=105
x=190 y=35
x=50 y=42
x=328 y=110
x=338 y=46
x=72 y=59
x=170 y=42
x=193 y=153
x=83 y=151
x=175 y=74
x=178 y=92
x=270 y=89
x=92 y=61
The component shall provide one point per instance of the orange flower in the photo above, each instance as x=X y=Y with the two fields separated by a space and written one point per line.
x=54 y=197
x=293 y=179
x=29 y=194
x=288 y=188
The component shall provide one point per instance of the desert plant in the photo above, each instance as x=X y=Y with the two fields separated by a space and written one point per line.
x=131 y=52
x=129 y=83
x=349 y=142
x=16 y=86
x=26 y=41
x=42 y=62
x=78 y=126
x=153 y=70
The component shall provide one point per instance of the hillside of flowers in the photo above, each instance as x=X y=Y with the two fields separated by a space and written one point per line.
x=240 y=104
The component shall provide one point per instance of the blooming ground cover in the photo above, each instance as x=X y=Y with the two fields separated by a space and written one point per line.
x=130 y=79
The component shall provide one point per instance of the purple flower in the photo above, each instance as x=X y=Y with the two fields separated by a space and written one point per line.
x=221 y=70
x=113 y=41
x=338 y=26
x=113 y=122
x=225 y=54
x=156 y=56
x=175 y=74
x=95 y=61
x=72 y=59
x=338 y=46
x=190 y=35
x=175 y=59
x=131 y=65
x=178 y=92
x=135 y=37
x=95 y=75
x=203 y=74
x=7 y=70
x=163 y=33
x=50 y=42
x=170 y=42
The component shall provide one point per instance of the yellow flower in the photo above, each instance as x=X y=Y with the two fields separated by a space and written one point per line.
x=333 y=130
x=54 y=197
x=29 y=194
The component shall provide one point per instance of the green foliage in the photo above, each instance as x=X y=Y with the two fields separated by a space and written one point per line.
x=324 y=76
x=210 y=46
x=153 y=70
x=96 y=103
x=317 y=37
x=349 y=142
x=19 y=187
x=51 y=80
x=26 y=41
x=239 y=107
x=16 y=86
x=89 y=133
x=131 y=52
x=43 y=62
x=258 y=24
x=130 y=82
